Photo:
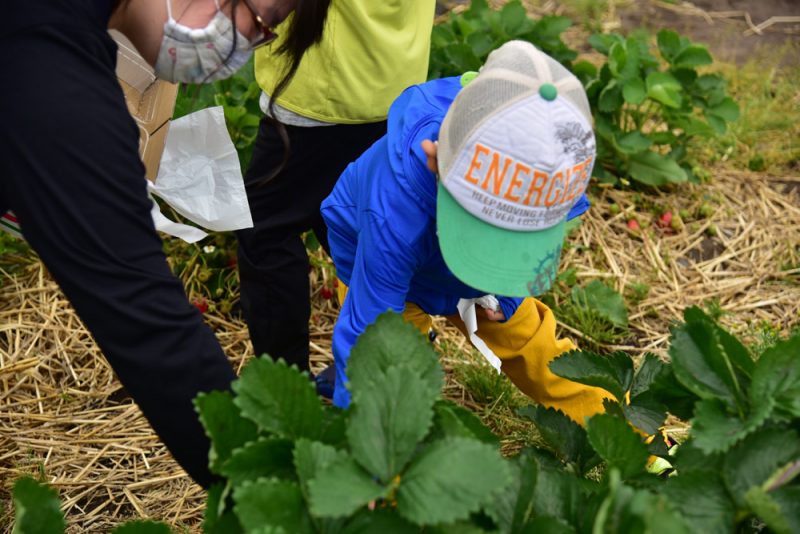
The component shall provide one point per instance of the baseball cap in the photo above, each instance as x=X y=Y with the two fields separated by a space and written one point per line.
x=516 y=150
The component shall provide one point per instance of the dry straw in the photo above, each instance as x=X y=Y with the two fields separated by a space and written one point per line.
x=64 y=417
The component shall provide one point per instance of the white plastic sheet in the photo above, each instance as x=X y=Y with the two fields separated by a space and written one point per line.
x=200 y=176
x=466 y=309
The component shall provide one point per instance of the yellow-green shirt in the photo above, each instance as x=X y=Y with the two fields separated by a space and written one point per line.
x=370 y=51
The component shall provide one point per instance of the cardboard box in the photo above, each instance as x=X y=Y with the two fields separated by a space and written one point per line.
x=150 y=101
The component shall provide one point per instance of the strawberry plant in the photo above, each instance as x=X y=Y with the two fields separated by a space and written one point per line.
x=648 y=110
x=401 y=459
x=463 y=42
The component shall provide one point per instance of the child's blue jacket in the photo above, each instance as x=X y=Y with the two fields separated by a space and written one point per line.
x=381 y=219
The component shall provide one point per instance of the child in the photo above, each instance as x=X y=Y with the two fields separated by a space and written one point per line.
x=515 y=152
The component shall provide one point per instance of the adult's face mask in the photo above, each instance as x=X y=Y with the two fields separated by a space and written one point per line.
x=197 y=55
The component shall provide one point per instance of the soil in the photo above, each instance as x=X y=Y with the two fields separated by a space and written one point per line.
x=715 y=24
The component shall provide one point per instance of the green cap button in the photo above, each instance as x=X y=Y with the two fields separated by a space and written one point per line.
x=548 y=91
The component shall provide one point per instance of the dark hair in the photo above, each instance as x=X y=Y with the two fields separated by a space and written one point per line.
x=305 y=30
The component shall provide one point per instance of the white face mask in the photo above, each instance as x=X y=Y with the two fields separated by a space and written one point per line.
x=200 y=55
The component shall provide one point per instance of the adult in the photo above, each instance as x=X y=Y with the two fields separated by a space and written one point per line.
x=334 y=108
x=70 y=170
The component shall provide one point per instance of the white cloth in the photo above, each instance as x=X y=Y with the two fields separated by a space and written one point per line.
x=466 y=309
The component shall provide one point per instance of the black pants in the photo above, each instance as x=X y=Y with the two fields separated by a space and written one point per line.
x=273 y=263
x=69 y=169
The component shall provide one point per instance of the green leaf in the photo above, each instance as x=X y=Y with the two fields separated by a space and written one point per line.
x=703 y=501
x=650 y=368
x=513 y=17
x=267 y=458
x=217 y=518
x=513 y=507
x=560 y=495
x=702 y=364
x=788 y=499
x=669 y=44
x=645 y=413
x=727 y=110
x=634 y=91
x=584 y=71
x=777 y=377
x=664 y=88
x=379 y=521
x=715 y=429
x=341 y=488
x=602 y=42
x=605 y=301
x=461 y=56
x=632 y=143
x=387 y=342
x=451 y=479
x=143 y=527
x=37 y=509
x=753 y=461
x=477 y=8
x=567 y=438
x=617 y=443
x=692 y=56
x=389 y=417
x=655 y=169
x=481 y=43
x=311 y=457
x=453 y=420
x=547 y=525
x=610 y=99
x=271 y=503
x=769 y=511
x=614 y=372
x=279 y=399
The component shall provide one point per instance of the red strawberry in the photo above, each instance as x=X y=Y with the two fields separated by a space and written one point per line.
x=326 y=293
x=665 y=221
x=633 y=225
x=201 y=304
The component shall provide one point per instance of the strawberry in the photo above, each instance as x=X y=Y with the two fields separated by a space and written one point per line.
x=633 y=225
x=665 y=220
x=326 y=293
x=201 y=304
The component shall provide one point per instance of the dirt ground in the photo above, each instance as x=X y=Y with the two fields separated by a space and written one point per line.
x=726 y=26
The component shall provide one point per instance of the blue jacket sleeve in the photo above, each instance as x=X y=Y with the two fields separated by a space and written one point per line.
x=381 y=277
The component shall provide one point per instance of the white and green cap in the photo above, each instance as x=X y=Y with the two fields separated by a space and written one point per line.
x=516 y=151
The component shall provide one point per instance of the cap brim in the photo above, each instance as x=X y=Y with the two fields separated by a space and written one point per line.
x=496 y=260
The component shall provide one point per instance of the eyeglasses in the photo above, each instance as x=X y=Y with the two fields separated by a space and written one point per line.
x=267 y=35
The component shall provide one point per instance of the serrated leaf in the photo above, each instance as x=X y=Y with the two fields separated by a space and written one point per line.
x=664 y=88
x=279 y=399
x=769 y=511
x=666 y=389
x=702 y=365
x=513 y=17
x=610 y=99
x=634 y=91
x=453 y=420
x=481 y=43
x=753 y=461
x=265 y=457
x=614 y=372
x=716 y=430
x=341 y=488
x=558 y=494
x=655 y=169
x=632 y=143
x=311 y=457
x=689 y=458
x=648 y=371
x=567 y=438
x=462 y=57
x=143 y=527
x=693 y=56
x=449 y=480
x=602 y=42
x=617 y=443
x=777 y=377
x=788 y=499
x=334 y=426
x=219 y=519
x=271 y=503
x=645 y=413
x=547 y=525
x=513 y=507
x=387 y=342
x=390 y=415
x=669 y=44
x=379 y=521
x=37 y=509
x=703 y=501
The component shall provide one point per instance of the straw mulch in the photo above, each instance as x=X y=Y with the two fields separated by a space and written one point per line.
x=64 y=417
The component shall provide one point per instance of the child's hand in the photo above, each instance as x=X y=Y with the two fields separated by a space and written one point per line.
x=430 y=149
x=493 y=315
